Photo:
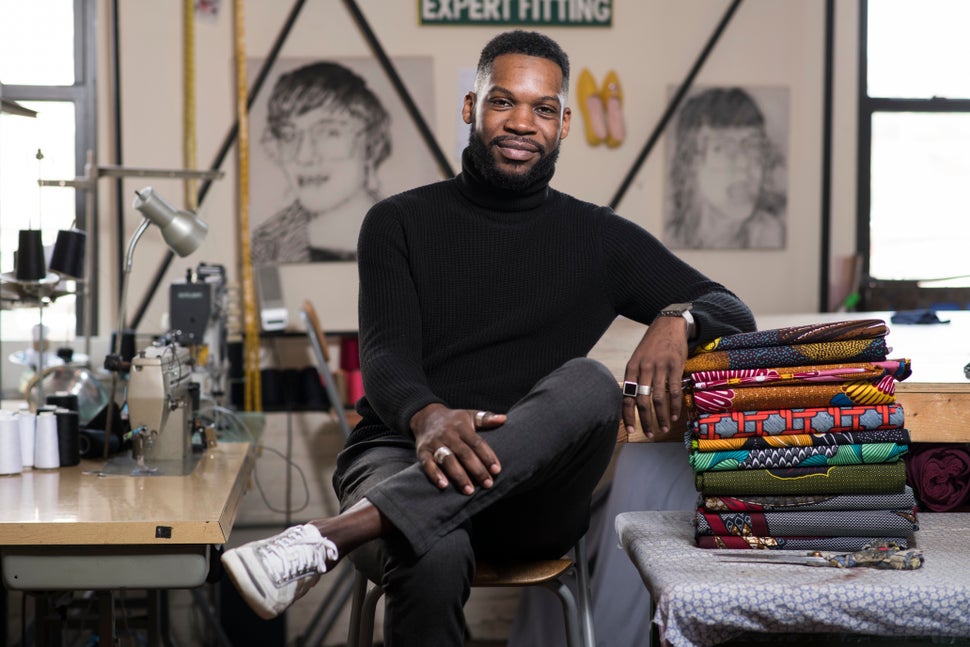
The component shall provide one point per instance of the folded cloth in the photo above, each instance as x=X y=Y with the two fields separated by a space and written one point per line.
x=832 y=479
x=816 y=523
x=805 y=334
x=777 y=457
x=904 y=500
x=852 y=350
x=940 y=474
x=834 y=544
x=919 y=316
x=795 y=420
x=838 y=394
x=801 y=440
x=899 y=369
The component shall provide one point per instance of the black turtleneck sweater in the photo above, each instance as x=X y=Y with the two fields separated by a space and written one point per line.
x=470 y=294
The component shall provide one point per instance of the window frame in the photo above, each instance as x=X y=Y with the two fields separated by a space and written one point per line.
x=83 y=94
x=884 y=291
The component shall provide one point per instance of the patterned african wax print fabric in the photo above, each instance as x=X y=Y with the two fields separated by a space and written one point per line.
x=904 y=500
x=821 y=523
x=852 y=350
x=833 y=479
x=836 y=394
x=898 y=435
x=834 y=544
x=797 y=420
x=808 y=333
x=740 y=378
x=776 y=457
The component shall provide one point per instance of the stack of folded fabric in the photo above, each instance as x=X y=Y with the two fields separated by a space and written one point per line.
x=795 y=439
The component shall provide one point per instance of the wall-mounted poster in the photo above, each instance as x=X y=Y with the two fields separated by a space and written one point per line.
x=329 y=138
x=727 y=181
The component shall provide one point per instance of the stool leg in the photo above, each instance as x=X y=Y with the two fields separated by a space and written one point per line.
x=569 y=611
x=585 y=594
x=360 y=592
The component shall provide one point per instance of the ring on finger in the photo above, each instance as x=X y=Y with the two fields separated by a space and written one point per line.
x=630 y=389
x=441 y=454
x=480 y=418
x=644 y=389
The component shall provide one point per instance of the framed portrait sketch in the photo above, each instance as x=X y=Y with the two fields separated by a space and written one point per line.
x=329 y=138
x=727 y=180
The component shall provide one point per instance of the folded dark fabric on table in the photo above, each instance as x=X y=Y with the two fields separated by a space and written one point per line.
x=919 y=316
x=739 y=378
x=833 y=479
x=795 y=420
x=900 y=436
x=940 y=474
x=904 y=500
x=838 y=394
x=834 y=544
x=779 y=457
x=815 y=523
x=805 y=334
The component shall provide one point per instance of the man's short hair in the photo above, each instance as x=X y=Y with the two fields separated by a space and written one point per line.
x=329 y=84
x=530 y=43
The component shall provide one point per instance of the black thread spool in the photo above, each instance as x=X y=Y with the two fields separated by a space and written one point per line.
x=68 y=437
x=67 y=258
x=31 y=265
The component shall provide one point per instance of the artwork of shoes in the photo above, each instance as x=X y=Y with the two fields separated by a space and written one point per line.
x=591 y=107
x=271 y=574
x=612 y=98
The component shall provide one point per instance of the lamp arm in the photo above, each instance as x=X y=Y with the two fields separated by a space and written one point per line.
x=122 y=302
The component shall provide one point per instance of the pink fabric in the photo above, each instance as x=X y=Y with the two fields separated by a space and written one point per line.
x=940 y=474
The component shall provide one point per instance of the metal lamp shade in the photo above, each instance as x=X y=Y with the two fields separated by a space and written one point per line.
x=182 y=230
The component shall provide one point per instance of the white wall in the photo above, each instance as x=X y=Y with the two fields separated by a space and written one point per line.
x=652 y=45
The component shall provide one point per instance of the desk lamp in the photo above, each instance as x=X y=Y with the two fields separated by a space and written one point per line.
x=183 y=232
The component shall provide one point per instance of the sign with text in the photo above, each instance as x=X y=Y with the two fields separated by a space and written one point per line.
x=560 y=13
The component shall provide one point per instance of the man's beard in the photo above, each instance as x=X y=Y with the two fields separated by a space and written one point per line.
x=488 y=167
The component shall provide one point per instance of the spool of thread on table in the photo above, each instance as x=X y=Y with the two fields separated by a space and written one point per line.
x=45 y=442
x=27 y=423
x=68 y=437
x=11 y=459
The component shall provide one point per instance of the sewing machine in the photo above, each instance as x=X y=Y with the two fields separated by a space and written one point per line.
x=162 y=403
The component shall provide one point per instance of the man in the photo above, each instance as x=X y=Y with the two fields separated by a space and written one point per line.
x=329 y=133
x=485 y=428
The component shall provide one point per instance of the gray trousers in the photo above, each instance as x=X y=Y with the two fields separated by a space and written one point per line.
x=553 y=449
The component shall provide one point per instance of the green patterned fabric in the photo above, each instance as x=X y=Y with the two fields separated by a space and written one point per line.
x=775 y=457
x=832 y=479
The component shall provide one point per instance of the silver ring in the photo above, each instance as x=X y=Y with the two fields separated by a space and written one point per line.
x=480 y=418
x=643 y=389
x=441 y=454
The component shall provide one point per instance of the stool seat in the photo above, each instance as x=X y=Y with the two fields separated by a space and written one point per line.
x=547 y=573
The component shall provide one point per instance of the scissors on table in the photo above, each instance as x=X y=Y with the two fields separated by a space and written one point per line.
x=883 y=556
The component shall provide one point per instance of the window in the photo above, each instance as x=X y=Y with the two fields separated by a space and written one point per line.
x=46 y=65
x=914 y=140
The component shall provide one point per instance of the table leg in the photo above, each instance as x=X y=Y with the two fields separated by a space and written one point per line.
x=106 y=619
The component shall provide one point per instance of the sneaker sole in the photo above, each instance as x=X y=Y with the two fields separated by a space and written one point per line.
x=249 y=588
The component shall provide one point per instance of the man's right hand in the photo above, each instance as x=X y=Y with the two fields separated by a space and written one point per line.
x=464 y=458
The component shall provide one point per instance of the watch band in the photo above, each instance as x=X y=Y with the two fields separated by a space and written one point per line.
x=681 y=310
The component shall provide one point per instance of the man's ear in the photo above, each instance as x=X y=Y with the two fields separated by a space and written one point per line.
x=468 y=108
x=567 y=116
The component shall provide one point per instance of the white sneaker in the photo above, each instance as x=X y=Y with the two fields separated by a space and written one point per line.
x=271 y=574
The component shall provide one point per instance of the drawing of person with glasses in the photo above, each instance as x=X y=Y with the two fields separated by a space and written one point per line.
x=328 y=133
x=722 y=190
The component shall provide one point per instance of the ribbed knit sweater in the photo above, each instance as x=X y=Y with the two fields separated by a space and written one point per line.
x=470 y=294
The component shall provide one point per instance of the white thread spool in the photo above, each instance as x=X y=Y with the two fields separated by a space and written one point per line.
x=27 y=422
x=11 y=459
x=45 y=442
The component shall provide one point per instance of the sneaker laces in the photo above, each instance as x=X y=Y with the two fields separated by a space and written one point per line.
x=297 y=552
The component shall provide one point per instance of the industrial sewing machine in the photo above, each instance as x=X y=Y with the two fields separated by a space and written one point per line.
x=162 y=404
